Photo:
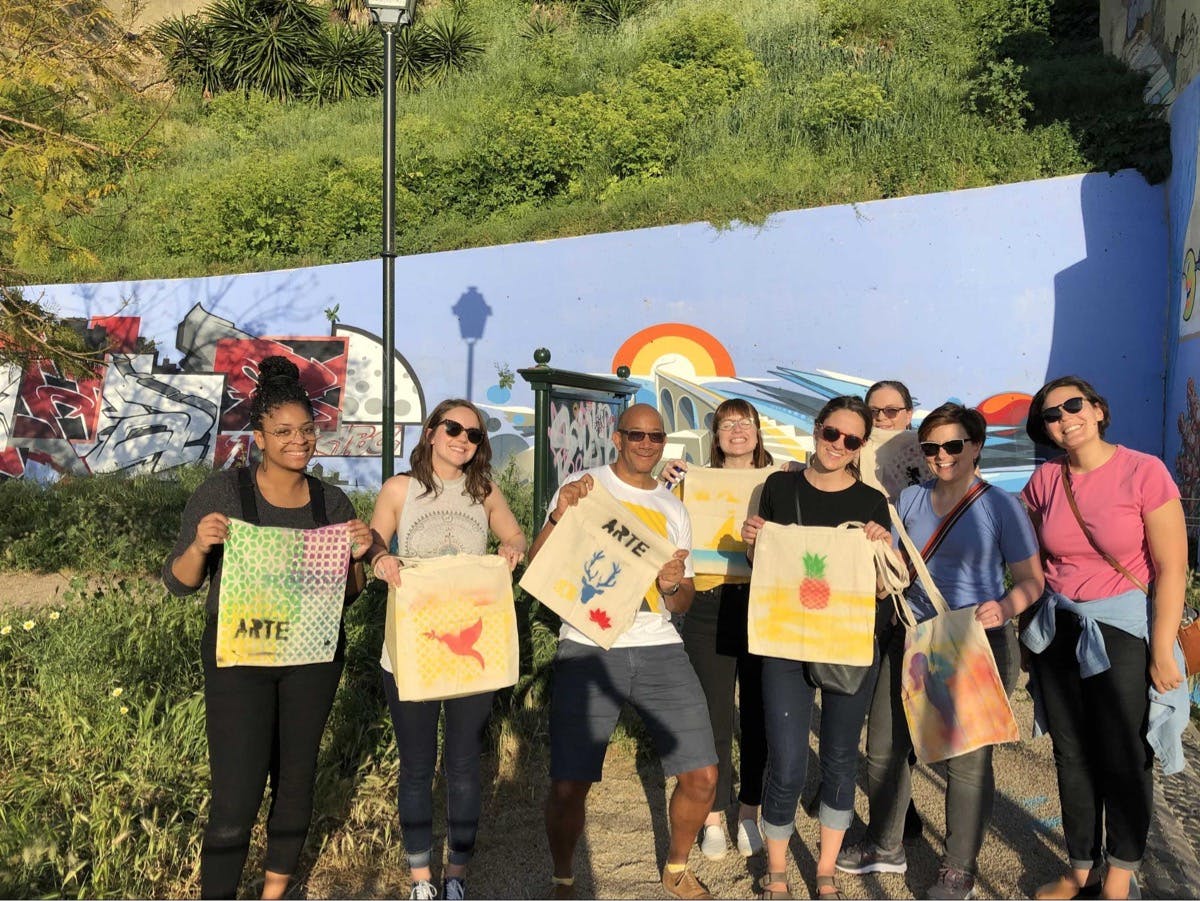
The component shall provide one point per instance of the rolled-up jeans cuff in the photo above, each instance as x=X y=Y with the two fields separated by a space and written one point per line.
x=835 y=819
x=778 y=833
x=1084 y=864
x=458 y=858
x=1123 y=864
x=419 y=859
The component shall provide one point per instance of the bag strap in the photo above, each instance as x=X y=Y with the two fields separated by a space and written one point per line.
x=948 y=521
x=316 y=498
x=1066 y=481
x=903 y=611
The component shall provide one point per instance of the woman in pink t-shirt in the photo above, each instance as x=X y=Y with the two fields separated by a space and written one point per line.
x=1098 y=722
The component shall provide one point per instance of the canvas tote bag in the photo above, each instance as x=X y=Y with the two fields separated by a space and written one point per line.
x=281 y=596
x=718 y=502
x=597 y=565
x=812 y=594
x=953 y=698
x=891 y=461
x=451 y=629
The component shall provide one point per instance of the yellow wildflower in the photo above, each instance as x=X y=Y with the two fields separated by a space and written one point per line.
x=28 y=625
x=116 y=693
x=53 y=615
x=6 y=630
x=124 y=710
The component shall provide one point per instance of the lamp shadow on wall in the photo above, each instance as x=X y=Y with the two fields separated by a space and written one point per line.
x=1110 y=318
x=472 y=312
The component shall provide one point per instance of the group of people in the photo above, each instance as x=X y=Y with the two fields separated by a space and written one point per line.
x=1095 y=554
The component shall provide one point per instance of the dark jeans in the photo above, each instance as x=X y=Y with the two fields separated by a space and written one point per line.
x=262 y=722
x=1098 y=726
x=721 y=661
x=970 y=782
x=416 y=726
x=787 y=703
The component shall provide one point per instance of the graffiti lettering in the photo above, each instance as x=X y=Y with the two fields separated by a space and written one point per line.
x=580 y=435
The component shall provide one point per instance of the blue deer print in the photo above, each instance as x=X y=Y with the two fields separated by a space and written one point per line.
x=592 y=583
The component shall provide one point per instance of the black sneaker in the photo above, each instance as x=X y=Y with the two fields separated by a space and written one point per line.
x=867 y=857
x=952 y=884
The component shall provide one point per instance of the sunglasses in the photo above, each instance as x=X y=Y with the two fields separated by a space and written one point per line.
x=953 y=448
x=886 y=412
x=830 y=434
x=454 y=429
x=638 y=435
x=1054 y=414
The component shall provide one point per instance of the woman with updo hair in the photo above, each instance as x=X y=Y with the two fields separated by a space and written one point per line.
x=262 y=720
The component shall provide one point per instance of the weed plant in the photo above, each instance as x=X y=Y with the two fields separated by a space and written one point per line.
x=686 y=110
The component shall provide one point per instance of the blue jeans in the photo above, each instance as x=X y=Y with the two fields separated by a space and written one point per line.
x=787 y=702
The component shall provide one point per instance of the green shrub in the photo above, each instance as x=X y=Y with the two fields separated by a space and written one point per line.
x=997 y=93
x=843 y=101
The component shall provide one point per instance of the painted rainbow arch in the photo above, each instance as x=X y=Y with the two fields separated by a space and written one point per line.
x=643 y=351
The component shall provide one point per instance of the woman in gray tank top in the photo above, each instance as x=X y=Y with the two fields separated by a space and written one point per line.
x=445 y=505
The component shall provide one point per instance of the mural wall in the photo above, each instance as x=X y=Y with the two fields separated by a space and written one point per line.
x=1159 y=37
x=973 y=295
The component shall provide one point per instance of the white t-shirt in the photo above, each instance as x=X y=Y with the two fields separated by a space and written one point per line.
x=663 y=512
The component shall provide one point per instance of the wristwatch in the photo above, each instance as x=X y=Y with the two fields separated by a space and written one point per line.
x=667 y=594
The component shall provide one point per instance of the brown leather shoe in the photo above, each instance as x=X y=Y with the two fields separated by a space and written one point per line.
x=683 y=885
x=1064 y=888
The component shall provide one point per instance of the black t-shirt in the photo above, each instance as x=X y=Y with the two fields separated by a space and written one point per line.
x=857 y=503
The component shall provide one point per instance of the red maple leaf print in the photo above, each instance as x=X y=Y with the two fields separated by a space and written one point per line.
x=600 y=618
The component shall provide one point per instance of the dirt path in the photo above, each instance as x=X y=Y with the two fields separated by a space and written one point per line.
x=32 y=591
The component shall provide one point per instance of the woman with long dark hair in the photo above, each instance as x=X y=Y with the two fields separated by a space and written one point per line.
x=827 y=492
x=262 y=720
x=446 y=504
x=714 y=634
x=1114 y=547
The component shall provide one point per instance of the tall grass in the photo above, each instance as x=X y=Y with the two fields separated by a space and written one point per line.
x=859 y=101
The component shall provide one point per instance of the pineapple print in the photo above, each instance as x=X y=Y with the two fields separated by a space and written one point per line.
x=814 y=590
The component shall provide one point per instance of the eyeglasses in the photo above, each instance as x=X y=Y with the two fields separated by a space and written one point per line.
x=953 y=448
x=886 y=412
x=728 y=425
x=307 y=432
x=830 y=434
x=454 y=429
x=638 y=435
x=1055 y=413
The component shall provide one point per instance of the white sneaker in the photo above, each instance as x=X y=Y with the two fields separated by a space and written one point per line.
x=712 y=842
x=422 y=890
x=749 y=839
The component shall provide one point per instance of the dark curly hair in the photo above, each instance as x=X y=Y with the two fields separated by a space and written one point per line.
x=855 y=405
x=736 y=407
x=971 y=420
x=1035 y=428
x=278 y=384
x=478 y=469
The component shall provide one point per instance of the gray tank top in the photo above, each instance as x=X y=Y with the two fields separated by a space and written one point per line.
x=449 y=522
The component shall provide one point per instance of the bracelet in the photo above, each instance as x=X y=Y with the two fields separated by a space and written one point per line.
x=550 y=519
x=670 y=594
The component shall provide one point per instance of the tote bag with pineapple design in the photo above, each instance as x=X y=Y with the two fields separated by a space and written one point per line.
x=812 y=594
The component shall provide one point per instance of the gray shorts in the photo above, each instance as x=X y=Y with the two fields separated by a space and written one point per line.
x=591 y=686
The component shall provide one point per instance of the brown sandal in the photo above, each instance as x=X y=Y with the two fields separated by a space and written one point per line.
x=826 y=882
x=774 y=894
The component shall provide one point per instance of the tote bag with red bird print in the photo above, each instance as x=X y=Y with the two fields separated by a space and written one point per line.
x=451 y=629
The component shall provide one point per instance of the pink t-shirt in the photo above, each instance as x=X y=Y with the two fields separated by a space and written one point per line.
x=1113 y=500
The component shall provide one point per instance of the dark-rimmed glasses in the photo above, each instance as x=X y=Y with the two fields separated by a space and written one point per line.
x=454 y=429
x=953 y=447
x=637 y=436
x=830 y=434
x=1055 y=413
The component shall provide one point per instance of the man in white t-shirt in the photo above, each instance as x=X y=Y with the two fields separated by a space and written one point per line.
x=646 y=667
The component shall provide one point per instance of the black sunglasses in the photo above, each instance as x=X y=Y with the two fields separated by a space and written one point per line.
x=830 y=434
x=454 y=429
x=953 y=447
x=638 y=435
x=1054 y=414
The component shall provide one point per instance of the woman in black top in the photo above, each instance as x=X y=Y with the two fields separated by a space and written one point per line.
x=262 y=720
x=826 y=493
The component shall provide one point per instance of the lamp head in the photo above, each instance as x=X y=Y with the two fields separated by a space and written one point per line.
x=391 y=13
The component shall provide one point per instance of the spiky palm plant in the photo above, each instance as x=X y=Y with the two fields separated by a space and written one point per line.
x=451 y=44
x=343 y=63
x=189 y=51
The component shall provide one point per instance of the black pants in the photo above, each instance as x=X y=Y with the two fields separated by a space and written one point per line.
x=262 y=721
x=714 y=633
x=416 y=725
x=1098 y=726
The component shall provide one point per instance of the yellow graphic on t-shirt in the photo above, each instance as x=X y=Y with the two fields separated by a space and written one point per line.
x=656 y=520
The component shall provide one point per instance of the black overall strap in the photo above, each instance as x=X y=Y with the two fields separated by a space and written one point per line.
x=246 y=493
x=316 y=500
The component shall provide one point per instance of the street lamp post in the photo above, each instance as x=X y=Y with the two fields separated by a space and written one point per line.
x=390 y=15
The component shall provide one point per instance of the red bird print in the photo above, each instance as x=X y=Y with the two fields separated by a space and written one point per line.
x=600 y=618
x=463 y=644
